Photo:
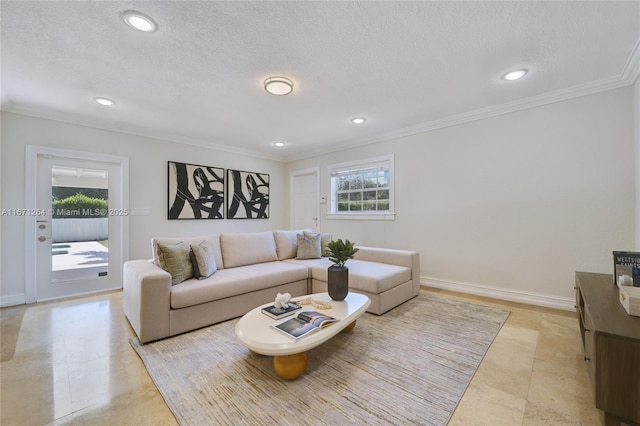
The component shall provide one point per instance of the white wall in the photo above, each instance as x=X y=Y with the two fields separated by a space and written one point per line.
x=636 y=117
x=510 y=206
x=147 y=187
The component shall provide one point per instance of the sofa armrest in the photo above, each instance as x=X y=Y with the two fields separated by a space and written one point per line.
x=147 y=299
x=407 y=258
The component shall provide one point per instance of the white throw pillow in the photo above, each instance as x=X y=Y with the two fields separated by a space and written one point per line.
x=309 y=246
x=287 y=243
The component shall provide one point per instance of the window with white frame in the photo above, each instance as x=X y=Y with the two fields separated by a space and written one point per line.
x=362 y=189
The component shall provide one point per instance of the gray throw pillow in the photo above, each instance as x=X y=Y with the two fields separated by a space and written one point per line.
x=203 y=261
x=309 y=246
x=175 y=260
x=324 y=240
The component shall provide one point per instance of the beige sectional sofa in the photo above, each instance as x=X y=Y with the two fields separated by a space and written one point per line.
x=251 y=268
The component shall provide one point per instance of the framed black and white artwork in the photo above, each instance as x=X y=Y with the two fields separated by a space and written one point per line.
x=247 y=195
x=195 y=192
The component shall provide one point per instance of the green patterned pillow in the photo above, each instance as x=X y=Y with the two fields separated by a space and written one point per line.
x=175 y=260
x=202 y=260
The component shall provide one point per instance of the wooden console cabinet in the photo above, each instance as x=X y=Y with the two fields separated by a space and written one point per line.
x=611 y=343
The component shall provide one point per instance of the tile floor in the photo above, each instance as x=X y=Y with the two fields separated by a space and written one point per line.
x=69 y=362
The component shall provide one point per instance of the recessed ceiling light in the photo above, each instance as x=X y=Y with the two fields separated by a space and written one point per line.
x=358 y=120
x=279 y=144
x=278 y=86
x=139 y=21
x=515 y=75
x=105 y=101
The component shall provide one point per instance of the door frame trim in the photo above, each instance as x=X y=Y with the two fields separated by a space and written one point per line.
x=30 y=191
x=292 y=176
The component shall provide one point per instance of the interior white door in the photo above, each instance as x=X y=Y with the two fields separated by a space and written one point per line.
x=305 y=201
x=78 y=250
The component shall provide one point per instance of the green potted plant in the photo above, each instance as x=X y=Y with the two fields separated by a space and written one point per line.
x=339 y=252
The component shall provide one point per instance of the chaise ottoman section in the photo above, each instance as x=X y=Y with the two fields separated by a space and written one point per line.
x=389 y=277
x=367 y=276
x=385 y=284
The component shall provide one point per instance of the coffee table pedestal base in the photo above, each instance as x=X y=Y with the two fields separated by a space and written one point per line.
x=290 y=367
x=349 y=327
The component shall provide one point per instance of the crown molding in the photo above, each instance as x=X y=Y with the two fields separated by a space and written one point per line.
x=627 y=77
x=145 y=133
x=493 y=111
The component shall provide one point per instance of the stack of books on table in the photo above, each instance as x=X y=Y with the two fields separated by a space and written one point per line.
x=277 y=313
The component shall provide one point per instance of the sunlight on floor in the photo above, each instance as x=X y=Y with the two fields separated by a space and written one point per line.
x=75 y=255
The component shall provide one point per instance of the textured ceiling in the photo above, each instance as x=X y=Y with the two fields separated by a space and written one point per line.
x=406 y=66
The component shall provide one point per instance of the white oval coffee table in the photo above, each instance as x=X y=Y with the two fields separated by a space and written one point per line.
x=290 y=356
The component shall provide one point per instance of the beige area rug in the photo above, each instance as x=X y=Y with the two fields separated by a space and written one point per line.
x=409 y=366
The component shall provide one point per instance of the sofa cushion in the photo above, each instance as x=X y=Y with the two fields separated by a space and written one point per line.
x=247 y=248
x=309 y=246
x=325 y=240
x=235 y=281
x=323 y=262
x=371 y=277
x=202 y=260
x=174 y=258
x=212 y=240
x=287 y=243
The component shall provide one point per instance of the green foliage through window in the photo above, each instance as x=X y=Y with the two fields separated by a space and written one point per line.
x=361 y=189
x=80 y=206
x=62 y=192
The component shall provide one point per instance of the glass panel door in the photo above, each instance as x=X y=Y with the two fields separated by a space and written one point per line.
x=79 y=223
x=76 y=232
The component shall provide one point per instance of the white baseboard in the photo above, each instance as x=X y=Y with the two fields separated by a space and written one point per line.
x=537 y=299
x=85 y=293
x=16 y=299
x=21 y=299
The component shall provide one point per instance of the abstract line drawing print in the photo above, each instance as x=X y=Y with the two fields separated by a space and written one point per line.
x=199 y=187
x=248 y=195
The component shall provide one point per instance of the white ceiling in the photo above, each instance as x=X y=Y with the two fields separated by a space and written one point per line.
x=406 y=66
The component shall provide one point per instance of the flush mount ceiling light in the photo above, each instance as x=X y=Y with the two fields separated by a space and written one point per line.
x=105 y=101
x=358 y=120
x=278 y=86
x=515 y=75
x=279 y=144
x=139 y=21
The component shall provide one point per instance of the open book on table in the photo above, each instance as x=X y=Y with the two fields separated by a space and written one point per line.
x=304 y=323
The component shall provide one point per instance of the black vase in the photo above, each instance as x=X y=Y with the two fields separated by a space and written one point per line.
x=338 y=282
